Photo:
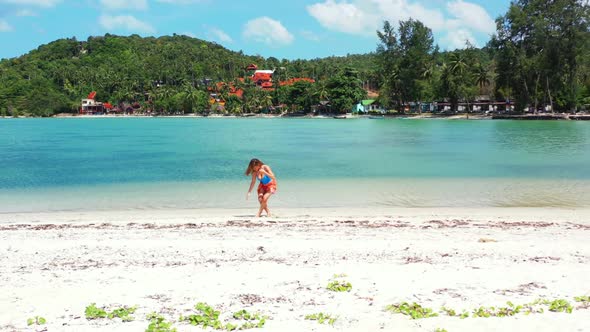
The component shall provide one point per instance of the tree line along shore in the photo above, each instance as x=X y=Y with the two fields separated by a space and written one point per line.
x=457 y=116
x=538 y=61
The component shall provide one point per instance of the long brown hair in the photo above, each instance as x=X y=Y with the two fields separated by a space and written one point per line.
x=254 y=162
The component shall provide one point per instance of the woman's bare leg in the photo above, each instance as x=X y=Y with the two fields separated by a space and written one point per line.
x=265 y=203
x=262 y=205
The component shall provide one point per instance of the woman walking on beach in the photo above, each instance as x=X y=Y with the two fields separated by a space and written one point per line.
x=267 y=186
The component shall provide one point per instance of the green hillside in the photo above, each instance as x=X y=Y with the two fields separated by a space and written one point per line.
x=537 y=60
x=55 y=77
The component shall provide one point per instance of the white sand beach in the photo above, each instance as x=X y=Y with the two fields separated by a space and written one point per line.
x=55 y=264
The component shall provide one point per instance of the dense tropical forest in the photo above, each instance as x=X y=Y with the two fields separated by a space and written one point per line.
x=538 y=57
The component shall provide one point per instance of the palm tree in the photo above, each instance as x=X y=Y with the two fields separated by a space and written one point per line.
x=428 y=71
x=235 y=109
x=224 y=90
x=482 y=76
x=427 y=74
x=253 y=103
x=267 y=101
x=125 y=94
x=459 y=70
x=448 y=84
x=190 y=97
x=391 y=86
x=164 y=94
x=74 y=106
x=153 y=97
x=321 y=90
x=458 y=63
x=321 y=93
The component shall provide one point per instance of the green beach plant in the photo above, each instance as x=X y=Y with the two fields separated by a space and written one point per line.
x=159 y=324
x=322 y=318
x=559 y=305
x=245 y=315
x=252 y=320
x=339 y=286
x=414 y=310
x=464 y=314
x=124 y=313
x=532 y=308
x=207 y=316
x=510 y=310
x=483 y=312
x=584 y=300
x=448 y=311
x=37 y=320
x=93 y=312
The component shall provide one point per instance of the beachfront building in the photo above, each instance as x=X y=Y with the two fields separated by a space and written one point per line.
x=91 y=106
x=368 y=105
x=476 y=106
x=419 y=107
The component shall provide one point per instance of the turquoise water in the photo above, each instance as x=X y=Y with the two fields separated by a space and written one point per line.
x=141 y=163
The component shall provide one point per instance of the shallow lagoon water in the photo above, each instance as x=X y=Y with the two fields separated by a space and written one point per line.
x=161 y=163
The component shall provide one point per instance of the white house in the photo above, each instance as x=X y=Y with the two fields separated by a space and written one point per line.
x=368 y=105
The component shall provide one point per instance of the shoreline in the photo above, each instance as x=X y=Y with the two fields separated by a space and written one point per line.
x=458 y=116
x=220 y=215
x=56 y=264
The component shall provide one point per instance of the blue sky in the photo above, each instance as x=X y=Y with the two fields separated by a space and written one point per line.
x=288 y=29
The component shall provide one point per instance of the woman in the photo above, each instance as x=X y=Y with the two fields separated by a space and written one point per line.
x=267 y=186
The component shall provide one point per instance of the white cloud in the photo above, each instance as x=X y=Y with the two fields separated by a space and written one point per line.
x=399 y=10
x=128 y=4
x=39 y=3
x=458 y=39
x=125 y=22
x=220 y=35
x=472 y=16
x=268 y=31
x=343 y=17
x=364 y=17
x=4 y=26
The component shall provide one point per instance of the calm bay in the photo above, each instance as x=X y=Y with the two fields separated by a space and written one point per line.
x=180 y=163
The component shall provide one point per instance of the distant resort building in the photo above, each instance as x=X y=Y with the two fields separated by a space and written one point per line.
x=91 y=106
x=476 y=106
x=368 y=105
x=259 y=78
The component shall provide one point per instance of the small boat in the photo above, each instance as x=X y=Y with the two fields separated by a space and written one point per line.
x=376 y=117
x=344 y=116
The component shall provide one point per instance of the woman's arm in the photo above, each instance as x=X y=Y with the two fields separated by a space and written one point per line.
x=266 y=170
x=251 y=185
